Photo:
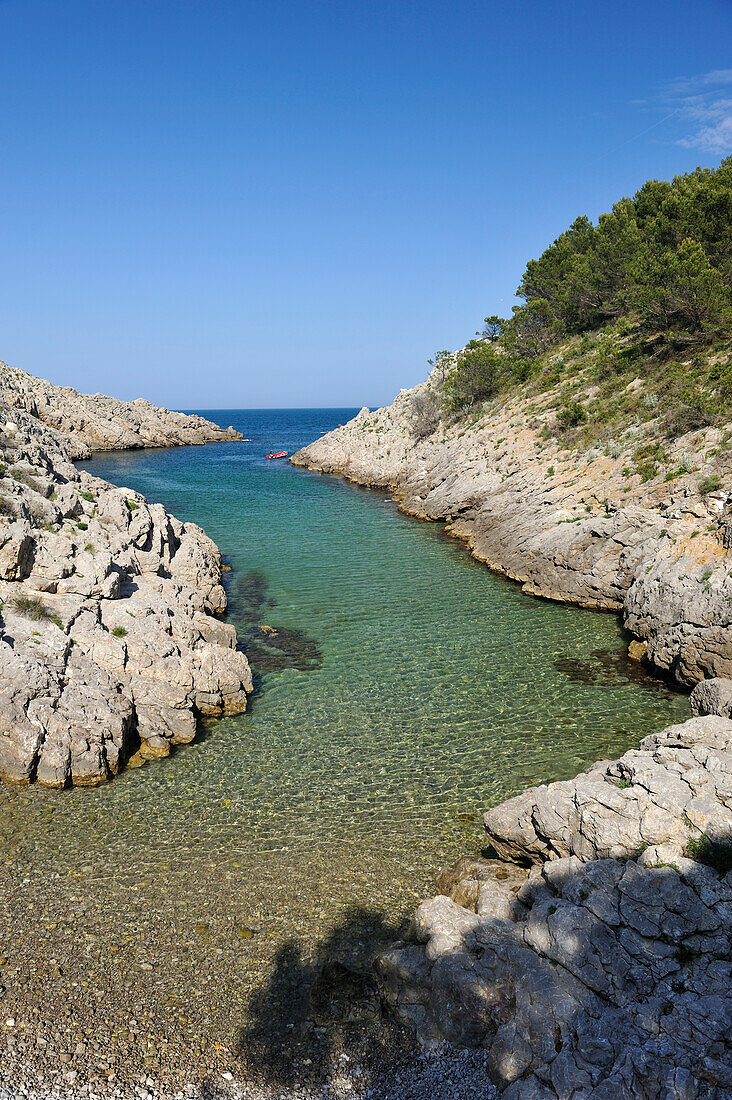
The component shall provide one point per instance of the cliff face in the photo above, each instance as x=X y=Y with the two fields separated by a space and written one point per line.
x=94 y=422
x=110 y=644
x=569 y=526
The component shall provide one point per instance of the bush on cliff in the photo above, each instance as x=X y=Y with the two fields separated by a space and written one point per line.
x=480 y=372
x=426 y=408
x=630 y=318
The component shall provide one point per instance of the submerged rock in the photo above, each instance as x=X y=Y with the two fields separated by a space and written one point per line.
x=603 y=969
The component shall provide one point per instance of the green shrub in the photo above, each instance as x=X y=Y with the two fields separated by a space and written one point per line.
x=88 y=496
x=571 y=414
x=480 y=372
x=648 y=459
x=119 y=631
x=709 y=484
x=132 y=505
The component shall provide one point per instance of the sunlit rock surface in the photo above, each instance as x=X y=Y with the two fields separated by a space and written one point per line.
x=94 y=422
x=569 y=526
x=110 y=644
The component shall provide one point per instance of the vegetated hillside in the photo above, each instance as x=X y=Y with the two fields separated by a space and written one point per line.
x=624 y=323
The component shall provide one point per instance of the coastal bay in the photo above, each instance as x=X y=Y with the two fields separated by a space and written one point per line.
x=366 y=552
x=400 y=690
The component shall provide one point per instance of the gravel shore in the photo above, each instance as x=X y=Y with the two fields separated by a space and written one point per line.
x=398 y=1071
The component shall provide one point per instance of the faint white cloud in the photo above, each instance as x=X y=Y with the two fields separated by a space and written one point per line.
x=704 y=103
x=690 y=84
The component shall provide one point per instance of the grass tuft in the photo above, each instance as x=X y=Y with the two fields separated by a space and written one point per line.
x=33 y=607
x=713 y=853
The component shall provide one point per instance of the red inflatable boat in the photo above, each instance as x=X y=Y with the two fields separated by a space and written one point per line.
x=277 y=454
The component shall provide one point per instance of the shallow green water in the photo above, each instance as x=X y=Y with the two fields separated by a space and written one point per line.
x=412 y=691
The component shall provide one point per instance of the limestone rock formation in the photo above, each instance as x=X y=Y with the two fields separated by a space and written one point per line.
x=568 y=526
x=110 y=644
x=676 y=781
x=94 y=422
x=603 y=969
x=712 y=697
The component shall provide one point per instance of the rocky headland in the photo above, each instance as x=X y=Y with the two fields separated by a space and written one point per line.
x=111 y=640
x=94 y=422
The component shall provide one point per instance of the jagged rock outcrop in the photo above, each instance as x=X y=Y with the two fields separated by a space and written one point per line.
x=677 y=781
x=110 y=644
x=94 y=422
x=603 y=969
x=567 y=526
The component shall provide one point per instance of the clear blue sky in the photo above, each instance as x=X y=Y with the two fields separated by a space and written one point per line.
x=226 y=204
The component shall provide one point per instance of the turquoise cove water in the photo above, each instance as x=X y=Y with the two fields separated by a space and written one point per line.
x=406 y=690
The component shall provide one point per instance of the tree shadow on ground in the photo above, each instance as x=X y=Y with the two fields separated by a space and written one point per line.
x=319 y=1023
x=320 y=1009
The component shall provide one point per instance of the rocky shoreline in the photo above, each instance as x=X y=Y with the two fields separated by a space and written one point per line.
x=588 y=954
x=111 y=640
x=568 y=526
x=593 y=957
x=94 y=422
